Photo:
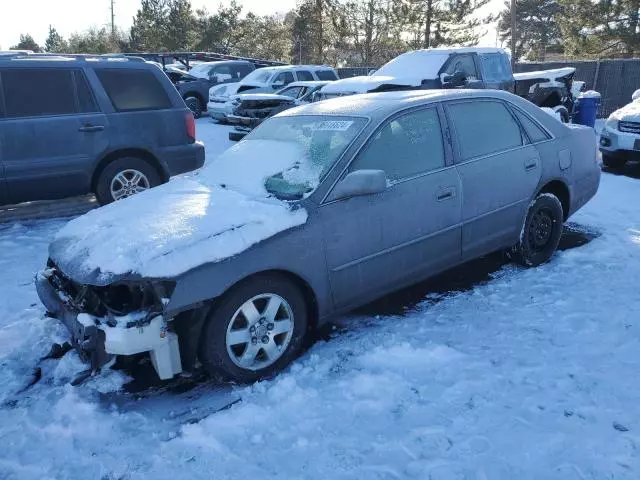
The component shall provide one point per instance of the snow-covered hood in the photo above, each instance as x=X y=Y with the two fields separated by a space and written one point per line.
x=552 y=75
x=165 y=231
x=628 y=113
x=366 y=84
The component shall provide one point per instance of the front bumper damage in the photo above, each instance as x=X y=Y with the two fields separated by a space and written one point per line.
x=99 y=334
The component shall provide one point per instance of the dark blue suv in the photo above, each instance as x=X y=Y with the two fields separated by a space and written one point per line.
x=71 y=125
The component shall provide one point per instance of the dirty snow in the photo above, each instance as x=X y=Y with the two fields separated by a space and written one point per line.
x=532 y=375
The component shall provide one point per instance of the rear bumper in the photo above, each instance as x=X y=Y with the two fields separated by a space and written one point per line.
x=183 y=158
x=97 y=342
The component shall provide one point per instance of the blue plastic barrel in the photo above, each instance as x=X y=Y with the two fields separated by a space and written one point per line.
x=586 y=108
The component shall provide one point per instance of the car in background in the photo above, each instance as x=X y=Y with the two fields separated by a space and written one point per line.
x=194 y=86
x=247 y=111
x=620 y=136
x=219 y=106
x=464 y=67
x=272 y=79
x=72 y=125
x=320 y=210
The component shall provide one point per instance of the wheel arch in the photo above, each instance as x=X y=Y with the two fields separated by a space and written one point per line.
x=196 y=94
x=127 y=152
x=560 y=190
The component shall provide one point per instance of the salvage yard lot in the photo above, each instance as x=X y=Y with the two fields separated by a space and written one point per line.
x=531 y=374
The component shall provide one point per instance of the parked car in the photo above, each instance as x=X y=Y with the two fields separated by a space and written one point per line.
x=219 y=107
x=247 y=111
x=71 y=125
x=272 y=79
x=194 y=86
x=465 y=67
x=321 y=209
x=620 y=137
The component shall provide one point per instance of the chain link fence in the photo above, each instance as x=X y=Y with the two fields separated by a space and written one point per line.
x=615 y=79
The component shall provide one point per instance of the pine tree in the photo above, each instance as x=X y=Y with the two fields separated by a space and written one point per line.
x=27 y=43
x=149 y=24
x=537 y=27
x=180 y=27
x=433 y=23
x=55 y=43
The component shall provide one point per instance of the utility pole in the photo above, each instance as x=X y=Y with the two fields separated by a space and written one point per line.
x=513 y=35
x=113 y=19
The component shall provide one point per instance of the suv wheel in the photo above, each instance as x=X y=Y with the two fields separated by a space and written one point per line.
x=125 y=177
x=541 y=231
x=195 y=105
x=256 y=329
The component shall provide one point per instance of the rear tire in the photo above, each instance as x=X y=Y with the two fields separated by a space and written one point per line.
x=126 y=176
x=195 y=105
x=612 y=162
x=541 y=231
x=247 y=347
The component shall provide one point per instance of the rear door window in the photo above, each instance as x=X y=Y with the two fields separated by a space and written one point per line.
x=304 y=76
x=493 y=67
x=86 y=101
x=405 y=147
x=133 y=90
x=326 y=75
x=31 y=92
x=534 y=131
x=483 y=128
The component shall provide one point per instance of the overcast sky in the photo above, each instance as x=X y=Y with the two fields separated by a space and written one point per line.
x=68 y=16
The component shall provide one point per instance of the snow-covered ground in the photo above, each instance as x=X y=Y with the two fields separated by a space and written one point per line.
x=531 y=375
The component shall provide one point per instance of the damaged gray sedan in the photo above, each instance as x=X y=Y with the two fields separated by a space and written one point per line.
x=320 y=209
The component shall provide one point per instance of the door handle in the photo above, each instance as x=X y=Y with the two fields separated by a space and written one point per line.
x=445 y=194
x=531 y=164
x=91 y=128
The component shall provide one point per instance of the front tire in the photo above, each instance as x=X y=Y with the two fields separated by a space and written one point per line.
x=236 y=136
x=125 y=177
x=541 y=231
x=256 y=329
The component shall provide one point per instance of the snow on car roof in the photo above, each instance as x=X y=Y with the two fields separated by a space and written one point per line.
x=310 y=83
x=545 y=74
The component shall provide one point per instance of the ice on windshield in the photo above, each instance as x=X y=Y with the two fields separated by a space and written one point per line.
x=201 y=71
x=286 y=156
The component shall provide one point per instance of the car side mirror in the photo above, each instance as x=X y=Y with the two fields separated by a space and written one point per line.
x=457 y=79
x=360 y=183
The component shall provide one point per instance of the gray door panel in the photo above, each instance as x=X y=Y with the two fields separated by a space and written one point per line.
x=377 y=244
x=47 y=158
x=3 y=185
x=497 y=191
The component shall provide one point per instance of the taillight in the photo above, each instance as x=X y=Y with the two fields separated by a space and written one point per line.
x=190 y=125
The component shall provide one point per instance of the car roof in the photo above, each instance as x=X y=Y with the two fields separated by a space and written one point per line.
x=296 y=67
x=48 y=60
x=381 y=105
x=450 y=50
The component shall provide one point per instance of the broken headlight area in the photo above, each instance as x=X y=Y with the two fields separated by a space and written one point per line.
x=262 y=108
x=112 y=302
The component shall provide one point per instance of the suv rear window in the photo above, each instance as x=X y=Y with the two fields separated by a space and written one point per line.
x=31 y=92
x=326 y=75
x=131 y=90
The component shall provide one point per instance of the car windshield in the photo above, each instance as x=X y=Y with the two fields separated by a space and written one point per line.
x=286 y=157
x=261 y=75
x=414 y=64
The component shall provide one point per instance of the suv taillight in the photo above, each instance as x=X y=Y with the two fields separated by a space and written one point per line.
x=190 y=125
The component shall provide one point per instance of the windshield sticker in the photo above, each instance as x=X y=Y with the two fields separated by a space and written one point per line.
x=333 y=125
